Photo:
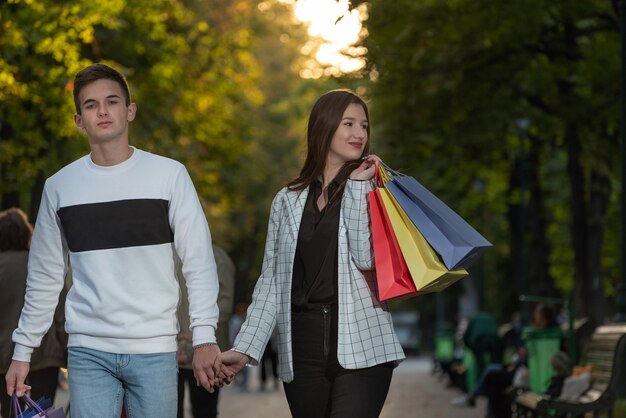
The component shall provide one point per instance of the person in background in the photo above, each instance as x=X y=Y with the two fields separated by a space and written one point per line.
x=496 y=377
x=236 y=320
x=121 y=217
x=203 y=403
x=336 y=343
x=270 y=361
x=15 y=235
x=562 y=368
x=511 y=335
x=544 y=316
x=481 y=337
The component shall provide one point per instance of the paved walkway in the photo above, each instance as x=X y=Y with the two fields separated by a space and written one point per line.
x=414 y=392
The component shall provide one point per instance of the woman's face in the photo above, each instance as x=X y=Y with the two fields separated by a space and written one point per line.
x=350 y=137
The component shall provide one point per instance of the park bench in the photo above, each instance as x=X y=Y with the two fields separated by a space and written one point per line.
x=606 y=353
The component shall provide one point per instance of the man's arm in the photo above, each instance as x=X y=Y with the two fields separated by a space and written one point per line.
x=46 y=271
x=192 y=240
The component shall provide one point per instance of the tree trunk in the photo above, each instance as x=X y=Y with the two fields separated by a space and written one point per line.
x=600 y=195
x=541 y=283
x=35 y=197
x=517 y=270
x=579 y=230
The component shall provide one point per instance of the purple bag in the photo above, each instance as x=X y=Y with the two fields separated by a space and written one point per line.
x=50 y=412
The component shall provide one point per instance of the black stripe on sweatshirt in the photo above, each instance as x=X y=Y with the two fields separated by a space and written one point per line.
x=118 y=224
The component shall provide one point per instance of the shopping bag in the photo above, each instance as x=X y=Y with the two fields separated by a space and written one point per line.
x=428 y=272
x=392 y=274
x=51 y=413
x=40 y=409
x=456 y=241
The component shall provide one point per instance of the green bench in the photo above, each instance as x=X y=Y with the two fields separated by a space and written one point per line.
x=606 y=353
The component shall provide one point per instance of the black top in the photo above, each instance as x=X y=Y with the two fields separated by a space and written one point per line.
x=315 y=263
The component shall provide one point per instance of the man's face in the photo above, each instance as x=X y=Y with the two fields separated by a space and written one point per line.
x=104 y=114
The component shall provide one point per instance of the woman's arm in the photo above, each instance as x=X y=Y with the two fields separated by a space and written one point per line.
x=356 y=217
x=260 y=320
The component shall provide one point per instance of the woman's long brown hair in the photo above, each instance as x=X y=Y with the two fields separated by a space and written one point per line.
x=324 y=120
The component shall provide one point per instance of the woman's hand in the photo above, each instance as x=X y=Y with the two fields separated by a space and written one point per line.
x=367 y=169
x=229 y=363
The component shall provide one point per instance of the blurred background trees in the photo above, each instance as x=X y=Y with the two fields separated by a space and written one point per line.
x=508 y=111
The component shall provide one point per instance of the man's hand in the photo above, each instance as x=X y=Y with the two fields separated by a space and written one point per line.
x=15 y=377
x=203 y=359
x=230 y=363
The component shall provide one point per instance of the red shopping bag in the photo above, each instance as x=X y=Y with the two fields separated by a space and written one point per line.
x=392 y=274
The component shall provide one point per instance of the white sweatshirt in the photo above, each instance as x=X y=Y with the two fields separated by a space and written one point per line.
x=124 y=228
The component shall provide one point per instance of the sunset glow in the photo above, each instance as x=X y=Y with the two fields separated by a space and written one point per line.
x=331 y=40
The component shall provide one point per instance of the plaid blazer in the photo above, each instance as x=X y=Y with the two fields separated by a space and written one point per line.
x=365 y=332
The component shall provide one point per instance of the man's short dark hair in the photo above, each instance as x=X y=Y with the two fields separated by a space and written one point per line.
x=96 y=72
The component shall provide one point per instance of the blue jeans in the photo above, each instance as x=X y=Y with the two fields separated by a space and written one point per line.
x=99 y=383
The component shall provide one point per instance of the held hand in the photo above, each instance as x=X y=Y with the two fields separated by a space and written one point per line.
x=367 y=169
x=230 y=363
x=15 y=377
x=203 y=359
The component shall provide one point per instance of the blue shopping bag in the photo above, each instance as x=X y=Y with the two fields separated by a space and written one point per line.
x=458 y=244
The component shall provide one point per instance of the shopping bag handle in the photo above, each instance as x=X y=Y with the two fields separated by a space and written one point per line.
x=17 y=409
x=378 y=182
x=389 y=172
x=381 y=175
x=35 y=405
x=384 y=173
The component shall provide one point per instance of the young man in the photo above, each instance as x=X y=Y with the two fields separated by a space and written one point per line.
x=123 y=218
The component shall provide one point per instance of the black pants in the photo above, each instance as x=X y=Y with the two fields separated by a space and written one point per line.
x=486 y=345
x=269 y=356
x=495 y=384
x=321 y=387
x=44 y=383
x=203 y=403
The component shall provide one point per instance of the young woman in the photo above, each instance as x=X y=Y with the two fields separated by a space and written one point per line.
x=336 y=342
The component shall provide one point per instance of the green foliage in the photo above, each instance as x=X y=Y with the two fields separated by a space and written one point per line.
x=214 y=84
x=452 y=80
x=217 y=88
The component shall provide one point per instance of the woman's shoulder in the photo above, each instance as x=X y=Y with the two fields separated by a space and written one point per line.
x=286 y=192
x=285 y=199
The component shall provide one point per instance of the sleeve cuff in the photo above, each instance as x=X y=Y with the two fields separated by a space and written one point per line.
x=253 y=361
x=203 y=334
x=22 y=353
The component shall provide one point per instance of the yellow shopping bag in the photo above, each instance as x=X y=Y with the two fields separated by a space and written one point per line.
x=427 y=271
